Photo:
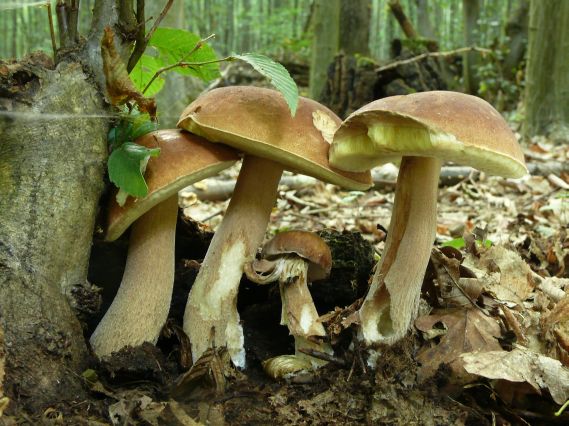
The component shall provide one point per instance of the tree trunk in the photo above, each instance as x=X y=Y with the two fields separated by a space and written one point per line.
x=52 y=161
x=51 y=177
x=423 y=22
x=547 y=77
x=517 y=32
x=471 y=10
x=324 y=44
x=354 y=31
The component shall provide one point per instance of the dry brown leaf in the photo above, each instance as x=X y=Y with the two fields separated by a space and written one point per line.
x=467 y=330
x=504 y=272
x=521 y=365
x=120 y=88
x=555 y=328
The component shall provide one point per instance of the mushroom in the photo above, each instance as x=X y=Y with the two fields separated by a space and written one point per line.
x=140 y=307
x=423 y=129
x=257 y=122
x=295 y=258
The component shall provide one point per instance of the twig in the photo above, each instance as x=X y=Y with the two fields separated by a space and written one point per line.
x=158 y=20
x=435 y=54
x=142 y=39
x=183 y=64
x=51 y=30
x=323 y=356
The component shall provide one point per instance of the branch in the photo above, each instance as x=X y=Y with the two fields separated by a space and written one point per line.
x=51 y=31
x=183 y=64
x=436 y=54
x=142 y=39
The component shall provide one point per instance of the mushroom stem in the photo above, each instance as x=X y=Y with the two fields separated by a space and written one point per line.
x=141 y=305
x=211 y=317
x=393 y=298
x=298 y=311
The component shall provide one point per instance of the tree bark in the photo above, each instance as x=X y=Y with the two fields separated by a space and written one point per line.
x=51 y=178
x=52 y=161
x=354 y=29
x=547 y=72
x=324 y=44
x=405 y=23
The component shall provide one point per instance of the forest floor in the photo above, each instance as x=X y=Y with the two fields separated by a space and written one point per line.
x=486 y=354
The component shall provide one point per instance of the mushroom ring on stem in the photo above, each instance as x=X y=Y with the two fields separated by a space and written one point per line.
x=423 y=130
x=295 y=258
x=140 y=307
x=255 y=121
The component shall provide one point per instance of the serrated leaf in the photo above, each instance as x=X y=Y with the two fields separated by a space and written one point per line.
x=144 y=70
x=174 y=45
x=126 y=167
x=277 y=74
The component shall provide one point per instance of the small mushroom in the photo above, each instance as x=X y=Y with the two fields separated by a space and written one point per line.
x=295 y=258
x=423 y=130
x=257 y=122
x=140 y=307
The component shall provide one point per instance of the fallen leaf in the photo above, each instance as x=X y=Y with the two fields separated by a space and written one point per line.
x=521 y=365
x=504 y=272
x=467 y=330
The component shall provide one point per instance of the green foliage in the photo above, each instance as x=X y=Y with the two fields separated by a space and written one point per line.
x=128 y=160
x=493 y=86
x=277 y=74
x=167 y=47
x=459 y=243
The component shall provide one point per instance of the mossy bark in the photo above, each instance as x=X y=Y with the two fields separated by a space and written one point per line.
x=52 y=157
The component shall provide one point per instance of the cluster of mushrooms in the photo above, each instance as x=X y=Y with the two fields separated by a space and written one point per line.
x=420 y=130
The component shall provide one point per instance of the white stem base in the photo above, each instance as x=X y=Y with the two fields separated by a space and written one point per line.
x=211 y=317
x=393 y=298
x=141 y=305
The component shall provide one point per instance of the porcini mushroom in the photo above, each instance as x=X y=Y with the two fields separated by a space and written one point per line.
x=293 y=259
x=140 y=307
x=424 y=129
x=255 y=121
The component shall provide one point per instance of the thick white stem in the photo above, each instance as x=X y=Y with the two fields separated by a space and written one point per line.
x=140 y=307
x=393 y=298
x=211 y=317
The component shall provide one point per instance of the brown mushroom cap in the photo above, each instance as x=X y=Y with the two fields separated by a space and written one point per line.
x=257 y=121
x=305 y=244
x=447 y=125
x=184 y=159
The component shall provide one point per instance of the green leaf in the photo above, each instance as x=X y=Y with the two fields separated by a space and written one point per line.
x=174 y=45
x=142 y=127
x=144 y=70
x=457 y=243
x=126 y=167
x=277 y=74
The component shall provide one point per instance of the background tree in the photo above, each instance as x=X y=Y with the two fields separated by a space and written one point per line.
x=471 y=9
x=547 y=78
x=354 y=29
x=325 y=43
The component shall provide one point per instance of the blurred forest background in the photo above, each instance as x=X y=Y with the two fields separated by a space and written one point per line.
x=336 y=49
